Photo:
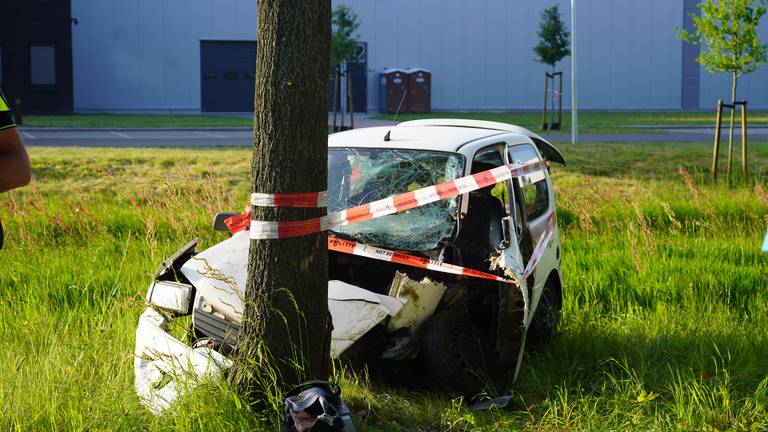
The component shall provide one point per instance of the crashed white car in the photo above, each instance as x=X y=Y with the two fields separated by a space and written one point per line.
x=468 y=332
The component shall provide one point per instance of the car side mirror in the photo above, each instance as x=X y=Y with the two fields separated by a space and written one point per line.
x=504 y=233
x=220 y=217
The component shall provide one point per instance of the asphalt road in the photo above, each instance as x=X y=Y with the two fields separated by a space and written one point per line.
x=136 y=137
x=242 y=137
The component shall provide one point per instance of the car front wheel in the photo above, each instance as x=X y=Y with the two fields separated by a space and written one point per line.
x=545 y=319
x=458 y=357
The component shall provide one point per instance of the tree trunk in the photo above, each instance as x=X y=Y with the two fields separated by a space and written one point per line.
x=730 y=127
x=285 y=338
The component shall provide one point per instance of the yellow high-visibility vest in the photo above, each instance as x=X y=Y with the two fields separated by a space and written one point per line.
x=6 y=121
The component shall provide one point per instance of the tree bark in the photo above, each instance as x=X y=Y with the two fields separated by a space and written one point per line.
x=285 y=338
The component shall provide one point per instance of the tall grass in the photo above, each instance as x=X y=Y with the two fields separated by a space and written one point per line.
x=665 y=320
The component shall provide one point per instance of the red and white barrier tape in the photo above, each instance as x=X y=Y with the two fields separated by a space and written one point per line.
x=544 y=239
x=242 y=221
x=353 y=248
x=305 y=200
x=261 y=230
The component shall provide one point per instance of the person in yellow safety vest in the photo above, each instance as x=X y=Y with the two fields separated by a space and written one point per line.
x=14 y=162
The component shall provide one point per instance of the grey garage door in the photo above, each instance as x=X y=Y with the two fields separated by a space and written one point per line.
x=227 y=75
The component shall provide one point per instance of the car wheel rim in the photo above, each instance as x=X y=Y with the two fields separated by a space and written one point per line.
x=546 y=313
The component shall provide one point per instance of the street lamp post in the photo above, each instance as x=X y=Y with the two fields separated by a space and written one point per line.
x=574 y=110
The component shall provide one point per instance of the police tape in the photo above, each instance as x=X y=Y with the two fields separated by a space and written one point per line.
x=354 y=248
x=263 y=230
x=544 y=240
x=242 y=221
x=302 y=200
x=350 y=247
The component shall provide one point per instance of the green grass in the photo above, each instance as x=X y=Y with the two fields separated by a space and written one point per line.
x=590 y=121
x=133 y=121
x=665 y=320
x=593 y=121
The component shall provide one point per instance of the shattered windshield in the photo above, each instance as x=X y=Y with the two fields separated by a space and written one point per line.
x=358 y=175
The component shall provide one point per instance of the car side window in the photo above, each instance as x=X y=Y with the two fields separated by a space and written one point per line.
x=534 y=186
x=488 y=158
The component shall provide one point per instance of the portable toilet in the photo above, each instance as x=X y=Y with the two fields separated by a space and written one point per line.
x=393 y=91
x=419 y=90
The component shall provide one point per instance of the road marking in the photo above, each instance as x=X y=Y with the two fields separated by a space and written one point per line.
x=210 y=135
x=28 y=135
x=120 y=134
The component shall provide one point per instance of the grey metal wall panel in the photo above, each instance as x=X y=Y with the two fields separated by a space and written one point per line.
x=144 y=54
x=690 y=75
x=481 y=56
x=494 y=28
x=592 y=49
x=449 y=85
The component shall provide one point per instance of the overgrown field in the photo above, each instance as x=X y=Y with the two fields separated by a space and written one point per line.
x=665 y=322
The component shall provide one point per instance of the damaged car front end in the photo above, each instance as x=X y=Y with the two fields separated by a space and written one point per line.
x=469 y=332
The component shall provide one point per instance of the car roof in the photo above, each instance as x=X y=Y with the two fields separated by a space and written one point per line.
x=434 y=138
x=448 y=135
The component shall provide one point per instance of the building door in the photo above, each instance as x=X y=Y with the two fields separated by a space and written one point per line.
x=227 y=71
x=359 y=76
x=358 y=70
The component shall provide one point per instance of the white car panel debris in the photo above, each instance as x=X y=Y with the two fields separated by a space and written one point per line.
x=164 y=366
x=219 y=274
x=341 y=291
x=355 y=311
x=421 y=301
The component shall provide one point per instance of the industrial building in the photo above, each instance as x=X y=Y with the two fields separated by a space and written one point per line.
x=199 y=56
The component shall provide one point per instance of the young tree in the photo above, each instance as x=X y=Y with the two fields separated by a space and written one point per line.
x=552 y=47
x=344 y=25
x=344 y=36
x=728 y=31
x=553 y=38
x=285 y=338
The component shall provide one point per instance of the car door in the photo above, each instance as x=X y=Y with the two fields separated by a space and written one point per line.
x=511 y=260
x=535 y=204
x=511 y=310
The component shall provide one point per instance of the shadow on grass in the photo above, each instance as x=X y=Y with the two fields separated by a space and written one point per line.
x=588 y=363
